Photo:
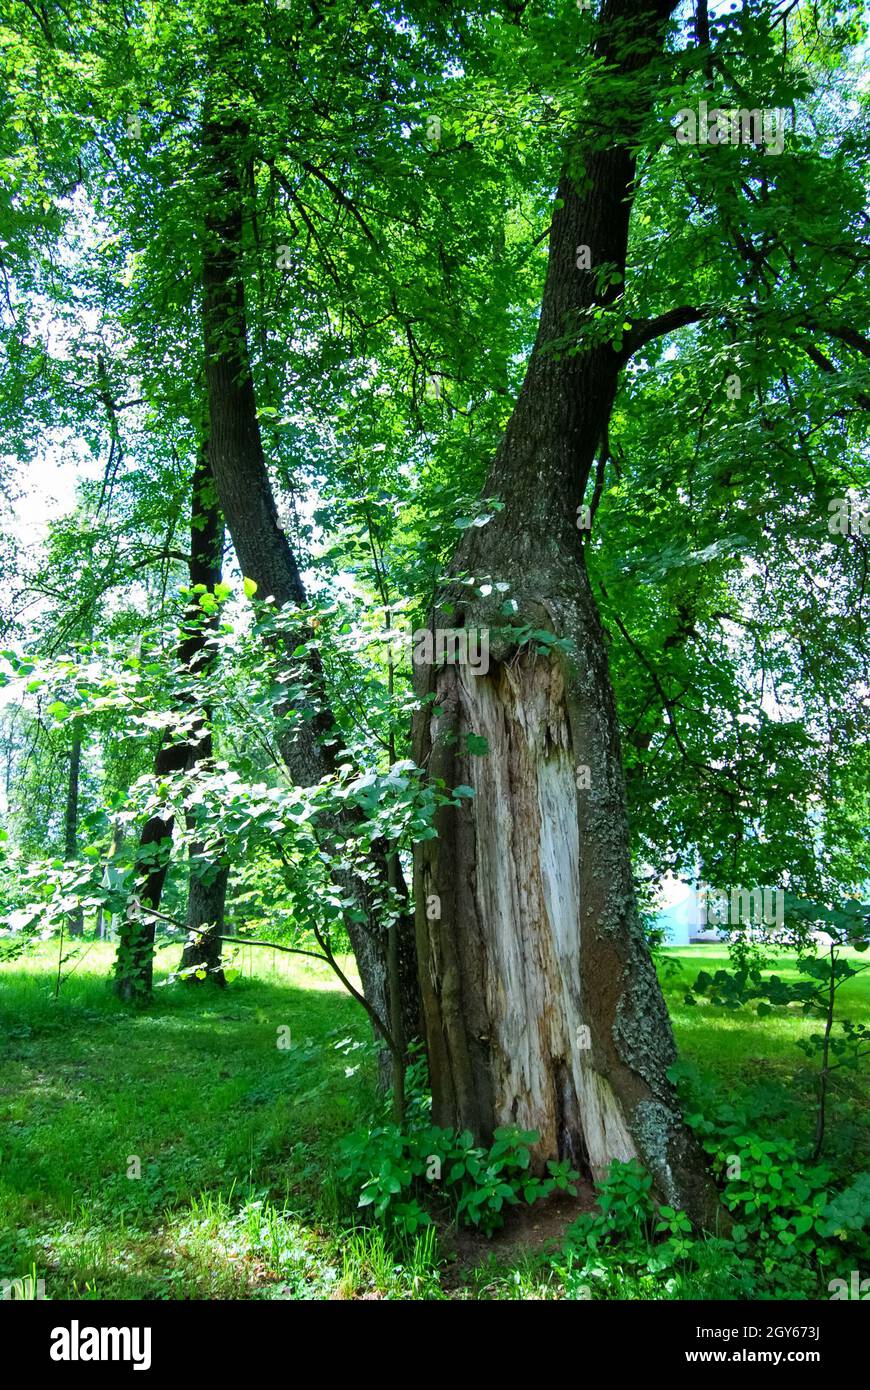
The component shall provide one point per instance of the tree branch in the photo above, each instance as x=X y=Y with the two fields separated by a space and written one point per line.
x=645 y=331
x=826 y=365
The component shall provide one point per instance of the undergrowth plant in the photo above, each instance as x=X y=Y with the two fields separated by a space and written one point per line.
x=405 y=1175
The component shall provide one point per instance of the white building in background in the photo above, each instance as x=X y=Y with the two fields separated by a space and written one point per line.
x=682 y=916
x=697 y=913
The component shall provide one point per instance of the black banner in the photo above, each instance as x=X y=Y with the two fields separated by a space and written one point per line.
x=86 y=1340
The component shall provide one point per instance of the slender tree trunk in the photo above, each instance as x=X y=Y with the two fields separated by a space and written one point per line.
x=75 y=922
x=205 y=916
x=102 y=928
x=541 y=1001
x=209 y=868
x=135 y=963
x=261 y=546
x=826 y=1056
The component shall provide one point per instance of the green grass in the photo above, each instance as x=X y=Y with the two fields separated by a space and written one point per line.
x=738 y=1053
x=236 y=1137
x=224 y=1123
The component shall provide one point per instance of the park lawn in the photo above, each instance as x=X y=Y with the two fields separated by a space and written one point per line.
x=220 y=1117
x=236 y=1137
x=736 y=1053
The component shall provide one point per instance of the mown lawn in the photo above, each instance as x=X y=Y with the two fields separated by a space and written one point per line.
x=236 y=1136
x=756 y=1059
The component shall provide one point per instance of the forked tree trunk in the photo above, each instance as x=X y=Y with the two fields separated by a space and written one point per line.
x=542 y=1004
x=262 y=548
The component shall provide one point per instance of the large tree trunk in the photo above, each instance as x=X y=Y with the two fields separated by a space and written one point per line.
x=135 y=963
x=541 y=1001
x=75 y=922
x=262 y=548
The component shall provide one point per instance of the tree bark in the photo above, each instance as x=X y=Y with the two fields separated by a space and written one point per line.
x=541 y=1001
x=208 y=866
x=102 y=929
x=75 y=922
x=135 y=963
x=206 y=900
x=262 y=548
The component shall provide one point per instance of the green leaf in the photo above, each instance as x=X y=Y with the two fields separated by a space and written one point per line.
x=476 y=745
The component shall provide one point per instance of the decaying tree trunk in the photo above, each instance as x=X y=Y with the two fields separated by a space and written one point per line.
x=541 y=1002
x=262 y=548
x=135 y=962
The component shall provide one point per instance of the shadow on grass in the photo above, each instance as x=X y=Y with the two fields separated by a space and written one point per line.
x=113 y=1119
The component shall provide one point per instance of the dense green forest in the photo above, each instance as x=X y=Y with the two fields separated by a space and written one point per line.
x=434 y=536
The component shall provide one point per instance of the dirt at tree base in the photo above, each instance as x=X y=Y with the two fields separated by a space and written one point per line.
x=527 y=1229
